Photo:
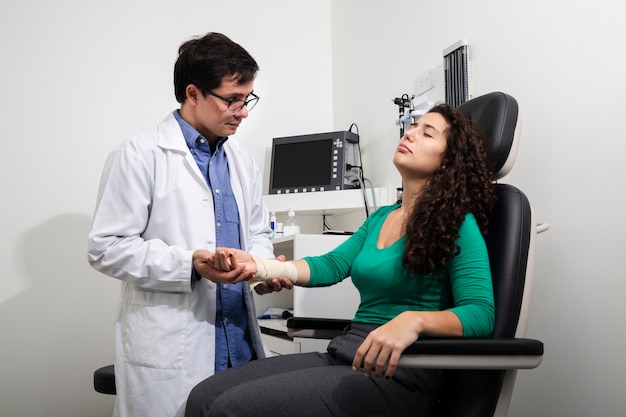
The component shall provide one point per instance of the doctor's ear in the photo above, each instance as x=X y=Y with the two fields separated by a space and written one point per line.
x=193 y=92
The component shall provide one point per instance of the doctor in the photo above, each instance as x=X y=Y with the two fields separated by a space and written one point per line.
x=166 y=199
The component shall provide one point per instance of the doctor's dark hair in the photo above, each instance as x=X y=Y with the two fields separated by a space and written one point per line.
x=463 y=184
x=205 y=61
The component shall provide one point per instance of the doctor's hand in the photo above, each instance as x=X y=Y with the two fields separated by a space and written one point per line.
x=273 y=285
x=205 y=265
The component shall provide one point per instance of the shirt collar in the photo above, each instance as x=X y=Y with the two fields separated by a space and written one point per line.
x=190 y=133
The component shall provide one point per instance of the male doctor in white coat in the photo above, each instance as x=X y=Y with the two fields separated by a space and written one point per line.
x=167 y=199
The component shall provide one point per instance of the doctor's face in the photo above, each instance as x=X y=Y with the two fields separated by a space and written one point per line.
x=211 y=114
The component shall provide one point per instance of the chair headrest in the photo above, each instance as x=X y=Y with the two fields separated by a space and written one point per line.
x=497 y=113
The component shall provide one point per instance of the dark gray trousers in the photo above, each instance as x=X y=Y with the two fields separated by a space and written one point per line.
x=315 y=385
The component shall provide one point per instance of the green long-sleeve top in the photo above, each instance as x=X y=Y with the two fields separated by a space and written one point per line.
x=387 y=288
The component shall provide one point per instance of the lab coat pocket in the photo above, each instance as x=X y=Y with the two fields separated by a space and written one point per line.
x=155 y=329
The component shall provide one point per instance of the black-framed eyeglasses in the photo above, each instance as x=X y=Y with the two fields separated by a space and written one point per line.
x=235 y=106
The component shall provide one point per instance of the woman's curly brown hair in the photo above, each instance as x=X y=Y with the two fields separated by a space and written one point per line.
x=463 y=184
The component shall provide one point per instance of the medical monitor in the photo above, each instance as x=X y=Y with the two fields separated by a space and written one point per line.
x=315 y=162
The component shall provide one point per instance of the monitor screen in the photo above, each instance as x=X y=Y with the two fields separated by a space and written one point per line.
x=303 y=164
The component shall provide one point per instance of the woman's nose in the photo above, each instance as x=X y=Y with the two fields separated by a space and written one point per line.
x=407 y=136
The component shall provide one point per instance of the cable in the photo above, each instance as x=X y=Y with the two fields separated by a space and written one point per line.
x=363 y=189
x=361 y=173
x=357 y=128
x=375 y=205
x=325 y=225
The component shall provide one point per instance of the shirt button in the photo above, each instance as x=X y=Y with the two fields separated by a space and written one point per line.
x=225 y=286
x=218 y=224
x=217 y=191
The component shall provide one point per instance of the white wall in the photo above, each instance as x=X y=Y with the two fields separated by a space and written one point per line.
x=565 y=63
x=79 y=77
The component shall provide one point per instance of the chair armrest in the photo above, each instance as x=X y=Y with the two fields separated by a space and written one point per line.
x=444 y=353
x=473 y=354
x=316 y=328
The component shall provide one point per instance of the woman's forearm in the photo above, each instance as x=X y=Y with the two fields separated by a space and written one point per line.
x=297 y=271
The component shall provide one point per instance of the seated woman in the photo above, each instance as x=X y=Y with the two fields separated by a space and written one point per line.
x=421 y=268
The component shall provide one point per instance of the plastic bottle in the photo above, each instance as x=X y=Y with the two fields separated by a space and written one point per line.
x=273 y=224
x=291 y=227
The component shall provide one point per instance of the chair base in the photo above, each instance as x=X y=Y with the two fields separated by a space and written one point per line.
x=104 y=380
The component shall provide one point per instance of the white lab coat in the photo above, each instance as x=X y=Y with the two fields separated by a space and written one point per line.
x=153 y=210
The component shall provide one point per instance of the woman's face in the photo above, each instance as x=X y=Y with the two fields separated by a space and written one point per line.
x=421 y=148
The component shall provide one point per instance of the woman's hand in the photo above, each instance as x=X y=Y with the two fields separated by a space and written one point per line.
x=230 y=259
x=204 y=263
x=227 y=259
x=381 y=349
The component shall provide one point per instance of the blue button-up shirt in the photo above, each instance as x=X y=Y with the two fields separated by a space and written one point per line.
x=232 y=340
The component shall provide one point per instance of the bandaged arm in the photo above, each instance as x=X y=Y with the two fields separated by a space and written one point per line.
x=267 y=269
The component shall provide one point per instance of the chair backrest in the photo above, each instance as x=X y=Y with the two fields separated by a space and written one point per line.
x=475 y=393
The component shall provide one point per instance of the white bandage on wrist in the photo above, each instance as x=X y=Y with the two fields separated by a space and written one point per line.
x=267 y=269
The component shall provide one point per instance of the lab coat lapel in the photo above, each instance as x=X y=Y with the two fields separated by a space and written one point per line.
x=171 y=138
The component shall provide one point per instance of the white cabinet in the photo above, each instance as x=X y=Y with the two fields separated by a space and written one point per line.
x=340 y=210
x=337 y=301
x=329 y=202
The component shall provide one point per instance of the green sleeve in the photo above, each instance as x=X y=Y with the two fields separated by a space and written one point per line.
x=470 y=278
x=336 y=265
